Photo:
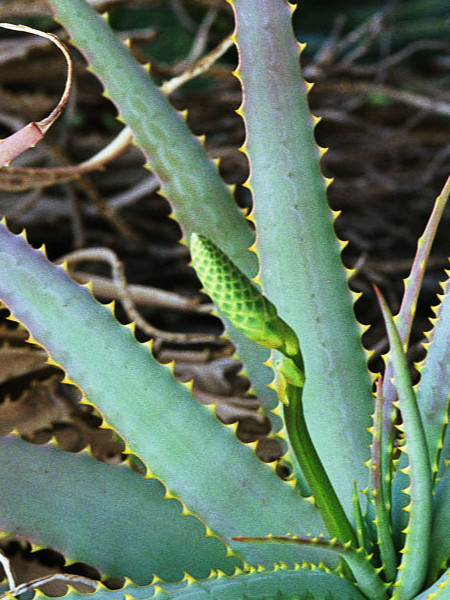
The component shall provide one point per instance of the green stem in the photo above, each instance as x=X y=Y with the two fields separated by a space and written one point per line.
x=325 y=497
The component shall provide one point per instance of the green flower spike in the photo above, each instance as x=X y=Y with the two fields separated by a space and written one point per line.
x=239 y=300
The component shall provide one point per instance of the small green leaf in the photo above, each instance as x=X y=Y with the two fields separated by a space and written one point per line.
x=365 y=573
x=280 y=583
x=381 y=475
x=413 y=568
x=440 y=590
x=107 y=516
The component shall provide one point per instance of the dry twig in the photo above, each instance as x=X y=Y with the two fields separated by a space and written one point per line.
x=17 y=590
x=126 y=298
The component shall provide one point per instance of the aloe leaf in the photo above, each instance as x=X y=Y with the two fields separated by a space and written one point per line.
x=364 y=572
x=413 y=567
x=200 y=200
x=181 y=441
x=280 y=583
x=440 y=531
x=379 y=472
x=432 y=393
x=107 y=516
x=440 y=590
x=292 y=218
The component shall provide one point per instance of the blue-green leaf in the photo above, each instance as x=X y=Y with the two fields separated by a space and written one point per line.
x=413 y=567
x=279 y=584
x=180 y=440
x=107 y=516
x=301 y=270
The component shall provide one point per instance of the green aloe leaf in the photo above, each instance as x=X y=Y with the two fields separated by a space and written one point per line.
x=440 y=590
x=191 y=182
x=432 y=393
x=280 y=583
x=107 y=516
x=440 y=532
x=293 y=219
x=181 y=441
x=367 y=577
x=413 y=567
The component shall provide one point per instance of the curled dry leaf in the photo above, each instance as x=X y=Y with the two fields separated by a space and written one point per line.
x=20 y=179
x=31 y=134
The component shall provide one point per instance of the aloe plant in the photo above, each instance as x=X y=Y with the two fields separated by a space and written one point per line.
x=208 y=519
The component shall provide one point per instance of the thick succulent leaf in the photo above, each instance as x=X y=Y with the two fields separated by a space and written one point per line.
x=202 y=202
x=180 y=439
x=107 y=516
x=440 y=532
x=293 y=220
x=433 y=391
x=413 y=567
x=440 y=590
x=367 y=577
x=191 y=182
x=280 y=583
